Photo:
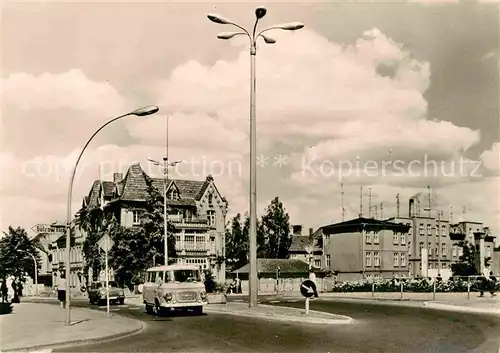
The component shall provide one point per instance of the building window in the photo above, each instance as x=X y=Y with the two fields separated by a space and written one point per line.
x=429 y=246
x=368 y=259
x=395 y=239
x=488 y=251
x=177 y=240
x=200 y=243
x=211 y=218
x=210 y=200
x=368 y=238
x=443 y=249
x=395 y=259
x=376 y=259
x=376 y=239
x=317 y=263
x=443 y=230
x=402 y=240
x=453 y=250
x=173 y=195
x=189 y=241
x=429 y=229
x=328 y=261
x=136 y=217
x=421 y=229
x=409 y=248
x=420 y=246
x=403 y=259
x=460 y=251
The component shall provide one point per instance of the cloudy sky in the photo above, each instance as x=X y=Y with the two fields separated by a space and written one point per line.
x=388 y=96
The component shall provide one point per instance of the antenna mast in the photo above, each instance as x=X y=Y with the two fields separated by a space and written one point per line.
x=376 y=212
x=381 y=211
x=361 y=203
x=451 y=214
x=370 y=203
x=397 y=204
x=429 y=195
x=342 y=194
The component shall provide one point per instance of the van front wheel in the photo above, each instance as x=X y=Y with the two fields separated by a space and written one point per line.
x=149 y=309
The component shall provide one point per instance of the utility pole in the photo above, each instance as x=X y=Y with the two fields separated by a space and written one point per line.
x=369 y=202
x=397 y=204
x=451 y=214
x=381 y=211
x=376 y=212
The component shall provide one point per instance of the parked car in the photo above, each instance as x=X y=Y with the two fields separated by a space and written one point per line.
x=97 y=293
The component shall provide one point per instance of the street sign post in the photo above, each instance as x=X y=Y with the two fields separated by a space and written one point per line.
x=308 y=290
x=106 y=243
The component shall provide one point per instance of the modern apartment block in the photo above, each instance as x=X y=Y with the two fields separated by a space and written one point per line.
x=365 y=247
x=196 y=209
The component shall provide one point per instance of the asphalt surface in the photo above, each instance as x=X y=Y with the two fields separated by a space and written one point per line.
x=377 y=328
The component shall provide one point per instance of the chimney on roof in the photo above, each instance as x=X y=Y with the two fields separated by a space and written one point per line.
x=311 y=231
x=117 y=177
x=210 y=178
x=297 y=229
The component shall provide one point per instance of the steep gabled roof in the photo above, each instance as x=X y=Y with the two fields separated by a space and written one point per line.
x=299 y=243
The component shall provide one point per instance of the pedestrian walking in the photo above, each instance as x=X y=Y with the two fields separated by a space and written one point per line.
x=5 y=290
x=15 y=299
x=61 y=290
x=485 y=282
x=493 y=284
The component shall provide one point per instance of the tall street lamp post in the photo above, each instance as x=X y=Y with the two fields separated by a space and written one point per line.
x=260 y=12
x=138 y=112
x=165 y=164
x=36 y=269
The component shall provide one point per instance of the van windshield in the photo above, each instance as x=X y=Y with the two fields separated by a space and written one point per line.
x=183 y=276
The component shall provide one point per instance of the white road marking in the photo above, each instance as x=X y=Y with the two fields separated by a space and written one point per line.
x=43 y=351
x=274 y=301
x=292 y=301
x=239 y=300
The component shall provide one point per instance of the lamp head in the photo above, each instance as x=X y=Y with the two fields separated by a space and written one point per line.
x=268 y=40
x=227 y=35
x=218 y=19
x=260 y=12
x=150 y=109
x=292 y=26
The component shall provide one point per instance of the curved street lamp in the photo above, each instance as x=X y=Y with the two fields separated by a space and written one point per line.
x=36 y=269
x=260 y=12
x=138 y=112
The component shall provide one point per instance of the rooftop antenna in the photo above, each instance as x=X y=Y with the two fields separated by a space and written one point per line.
x=376 y=212
x=370 y=203
x=464 y=212
x=361 y=203
x=451 y=214
x=381 y=211
x=397 y=204
x=342 y=195
x=390 y=151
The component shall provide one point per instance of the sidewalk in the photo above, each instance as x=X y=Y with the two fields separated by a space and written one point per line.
x=33 y=326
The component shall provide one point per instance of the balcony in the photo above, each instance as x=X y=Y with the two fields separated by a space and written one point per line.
x=188 y=222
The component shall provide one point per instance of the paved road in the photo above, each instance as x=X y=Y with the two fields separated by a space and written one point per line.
x=377 y=328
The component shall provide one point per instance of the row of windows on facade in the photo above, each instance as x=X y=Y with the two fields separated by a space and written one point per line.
x=75 y=255
x=429 y=229
x=374 y=259
x=201 y=262
x=397 y=239
x=136 y=217
x=174 y=195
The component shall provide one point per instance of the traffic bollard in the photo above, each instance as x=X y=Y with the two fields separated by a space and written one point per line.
x=373 y=289
x=468 y=290
x=434 y=290
x=401 y=288
x=307 y=306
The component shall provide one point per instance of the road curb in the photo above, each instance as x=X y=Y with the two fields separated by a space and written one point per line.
x=80 y=342
x=335 y=320
x=457 y=308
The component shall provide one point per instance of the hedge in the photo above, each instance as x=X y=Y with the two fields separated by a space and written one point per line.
x=409 y=285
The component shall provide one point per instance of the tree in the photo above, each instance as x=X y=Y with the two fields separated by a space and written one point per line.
x=91 y=221
x=466 y=265
x=237 y=243
x=14 y=259
x=276 y=229
x=261 y=240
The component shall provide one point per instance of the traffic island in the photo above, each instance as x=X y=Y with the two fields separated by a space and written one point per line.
x=279 y=313
x=33 y=326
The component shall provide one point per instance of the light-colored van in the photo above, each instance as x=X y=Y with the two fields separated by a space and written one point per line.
x=174 y=287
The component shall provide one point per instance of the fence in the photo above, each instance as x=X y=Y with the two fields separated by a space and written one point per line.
x=288 y=285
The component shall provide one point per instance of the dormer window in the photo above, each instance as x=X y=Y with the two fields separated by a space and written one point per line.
x=210 y=200
x=173 y=195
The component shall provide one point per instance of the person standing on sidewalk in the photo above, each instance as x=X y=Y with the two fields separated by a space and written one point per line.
x=312 y=277
x=485 y=281
x=4 y=291
x=61 y=290
x=493 y=284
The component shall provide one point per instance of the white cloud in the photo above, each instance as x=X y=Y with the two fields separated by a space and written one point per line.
x=491 y=157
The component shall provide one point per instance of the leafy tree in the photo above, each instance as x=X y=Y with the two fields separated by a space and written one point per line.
x=237 y=245
x=261 y=239
x=91 y=221
x=466 y=265
x=275 y=226
x=14 y=259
